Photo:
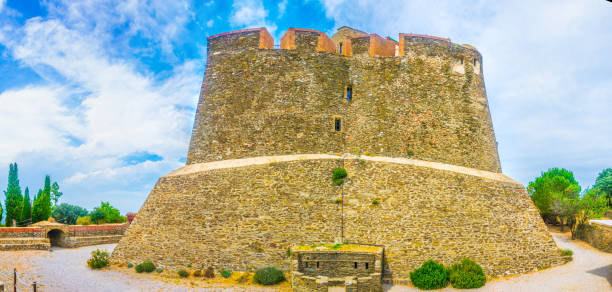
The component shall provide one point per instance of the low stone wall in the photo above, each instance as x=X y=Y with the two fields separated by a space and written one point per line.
x=598 y=235
x=10 y=232
x=28 y=238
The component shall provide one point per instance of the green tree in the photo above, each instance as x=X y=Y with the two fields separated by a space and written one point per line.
x=41 y=208
x=68 y=214
x=26 y=210
x=555 y=185
x=592 y=204
x=14 y=199
x=604 y=183
x=55 y=193
x=106 y=214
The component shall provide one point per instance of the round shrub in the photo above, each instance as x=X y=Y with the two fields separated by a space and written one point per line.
x=269 y=276
x=159 y=270
x=130 y=265
x=197 y=273
x=225 y=273
x=209 y=273
x=339 y=173
x=146 y=267
x=430 y=275
x=567 y=252
x=98 y=260
x=467 y=275
x=183 y=273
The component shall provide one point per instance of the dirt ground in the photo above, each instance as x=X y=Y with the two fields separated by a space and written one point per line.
x=66 y=270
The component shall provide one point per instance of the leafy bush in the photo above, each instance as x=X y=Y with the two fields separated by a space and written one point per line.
x=130 y=265
x=225 y=273
x=269 y=276
x=159 y=270
x=467 y=275
x=209 y=273
x=375 y=203
x=85 y=220
x=567 y=252
x=197 y=273
x=338 y=201
x=68 y=214
x=430 y=275
x=146 y=267
x=98 y=260
x=183 y=273
x=338 y=175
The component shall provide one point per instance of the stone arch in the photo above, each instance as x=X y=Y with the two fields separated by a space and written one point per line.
x=57 y=237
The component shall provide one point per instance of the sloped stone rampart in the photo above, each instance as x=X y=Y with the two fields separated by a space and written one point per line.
x=246 y=217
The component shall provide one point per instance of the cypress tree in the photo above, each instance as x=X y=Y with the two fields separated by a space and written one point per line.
x=14 y=199
x=36 y=208
x=26 y=211
x=41 y=209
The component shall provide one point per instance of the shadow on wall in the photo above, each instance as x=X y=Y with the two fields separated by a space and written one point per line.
x=56 y=237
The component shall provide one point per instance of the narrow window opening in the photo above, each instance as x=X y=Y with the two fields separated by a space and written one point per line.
x=461 y=60
x=474 y=62
x=340 y=48
x=306 y=264
x=349 y=93
x=355 y=265
x=366 y=266
x=338 y=124
x=317 y=265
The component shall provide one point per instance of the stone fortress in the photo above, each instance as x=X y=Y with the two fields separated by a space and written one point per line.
x=408 y=120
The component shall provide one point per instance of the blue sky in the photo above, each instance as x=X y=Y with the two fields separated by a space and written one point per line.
x=101 y=94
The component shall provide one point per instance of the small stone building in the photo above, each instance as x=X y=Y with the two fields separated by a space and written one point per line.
x=344 y=267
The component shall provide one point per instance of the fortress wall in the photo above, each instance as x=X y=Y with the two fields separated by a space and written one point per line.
x=239 y=40
x=438 y=106
x=246 y=217
x=274 y=102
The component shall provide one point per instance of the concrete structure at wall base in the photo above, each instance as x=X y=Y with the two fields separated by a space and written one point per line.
x=412 y=129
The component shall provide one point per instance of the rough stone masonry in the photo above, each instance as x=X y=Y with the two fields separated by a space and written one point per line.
x=424 y=174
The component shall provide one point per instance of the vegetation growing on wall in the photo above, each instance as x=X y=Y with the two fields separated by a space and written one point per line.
x=338 y=176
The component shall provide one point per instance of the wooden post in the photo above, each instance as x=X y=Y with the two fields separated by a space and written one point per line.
x=14 y=280
x=34 y=286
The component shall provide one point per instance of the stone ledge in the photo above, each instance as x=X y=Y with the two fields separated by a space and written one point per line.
x=231 y=163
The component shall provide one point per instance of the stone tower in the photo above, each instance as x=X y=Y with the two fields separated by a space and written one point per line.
x=409 y=121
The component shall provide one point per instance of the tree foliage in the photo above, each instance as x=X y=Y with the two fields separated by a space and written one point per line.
x=55 y=193
x=106 y=213
x=68 y=214
x=14 y=199
x=553 y=185
x=604 y=183
x=26 y=210
x=41 y=208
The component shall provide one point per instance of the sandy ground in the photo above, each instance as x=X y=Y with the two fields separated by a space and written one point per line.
x=590 y=271
x=66 y=270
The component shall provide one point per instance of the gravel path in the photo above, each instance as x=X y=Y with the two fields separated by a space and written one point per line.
x=66 y=270
x=591 y=270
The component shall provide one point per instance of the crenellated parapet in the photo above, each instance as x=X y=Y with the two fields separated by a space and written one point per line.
x=244 y=39
x=307 y=40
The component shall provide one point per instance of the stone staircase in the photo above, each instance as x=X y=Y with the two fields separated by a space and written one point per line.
x=32 y=243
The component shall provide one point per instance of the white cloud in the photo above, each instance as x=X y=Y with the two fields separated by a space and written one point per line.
x=282 y=6
x=2 y=3
x=210 y=23
x=545 y=67
x=105 y=103
x=250 y=13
